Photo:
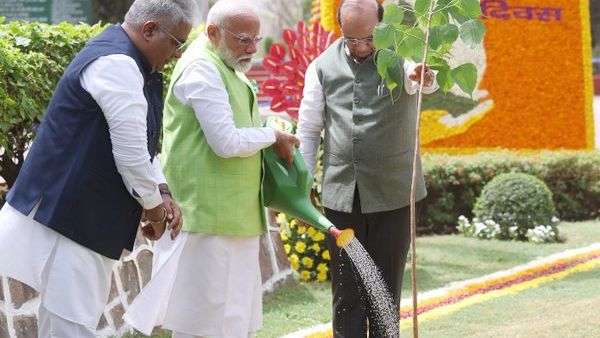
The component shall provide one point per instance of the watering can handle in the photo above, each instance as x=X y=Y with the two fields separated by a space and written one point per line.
x=303 y=174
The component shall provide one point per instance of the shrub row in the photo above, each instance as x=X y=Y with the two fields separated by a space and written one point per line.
x=455 y=181
x=33 y=57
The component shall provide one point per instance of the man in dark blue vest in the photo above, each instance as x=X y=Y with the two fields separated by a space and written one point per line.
x=368 y=150
x=91 y=173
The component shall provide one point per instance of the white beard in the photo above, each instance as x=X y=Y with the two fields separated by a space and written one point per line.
x=241 y=64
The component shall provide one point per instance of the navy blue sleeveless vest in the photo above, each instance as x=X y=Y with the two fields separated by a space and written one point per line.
x=70 y=169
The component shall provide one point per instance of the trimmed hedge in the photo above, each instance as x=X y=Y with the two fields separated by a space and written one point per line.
x=518 y=203
x=455 y=181
x=33 y=57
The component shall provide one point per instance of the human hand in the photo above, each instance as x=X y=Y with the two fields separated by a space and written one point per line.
x=284 y=145
x=416 y=75
x=174 y=217
x=154 y=222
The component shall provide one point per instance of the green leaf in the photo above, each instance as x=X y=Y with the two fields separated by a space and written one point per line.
x=383 y=35
x=436 y=62
x=471 y=32
x=470 y=8
x=435 y=37
x=445 y=34
x=393 y=14
x=451 y=8
x=439 y=17
x=443 y=77
x=391 y=68
x=457 y=14
x=421 y=11
x=465 y=77
x=411 y=44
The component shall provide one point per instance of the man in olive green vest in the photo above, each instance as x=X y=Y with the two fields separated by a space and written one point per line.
x=212 y=157
x=367 y=159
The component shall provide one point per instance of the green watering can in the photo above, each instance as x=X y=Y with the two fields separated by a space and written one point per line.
x=287 y=188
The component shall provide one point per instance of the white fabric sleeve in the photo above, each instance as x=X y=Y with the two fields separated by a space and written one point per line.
x=158 y=173
x=201 y=87
x=116 y=84
x=311 y=117
x=412 y=87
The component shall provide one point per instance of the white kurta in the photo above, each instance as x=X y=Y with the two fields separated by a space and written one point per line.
x=209 y=286
x=73 y=280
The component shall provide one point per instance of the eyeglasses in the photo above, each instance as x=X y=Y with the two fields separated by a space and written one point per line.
x=178 y=43
x=243 y=40
x=356 y=41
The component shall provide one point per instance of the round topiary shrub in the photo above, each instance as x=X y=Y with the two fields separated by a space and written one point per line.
x=521 y=205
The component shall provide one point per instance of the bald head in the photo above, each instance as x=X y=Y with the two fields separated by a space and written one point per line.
x=360 y=8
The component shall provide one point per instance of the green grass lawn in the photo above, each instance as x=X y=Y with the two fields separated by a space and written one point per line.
x=538 y=312
x=440 y=260
x=567 y=308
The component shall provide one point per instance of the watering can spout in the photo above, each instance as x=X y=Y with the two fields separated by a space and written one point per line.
x=342 y=237
x=287 y=188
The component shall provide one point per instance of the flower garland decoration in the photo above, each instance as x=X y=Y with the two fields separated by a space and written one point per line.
x=494 y=288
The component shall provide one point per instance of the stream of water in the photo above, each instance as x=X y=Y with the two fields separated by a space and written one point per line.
x=386 y=315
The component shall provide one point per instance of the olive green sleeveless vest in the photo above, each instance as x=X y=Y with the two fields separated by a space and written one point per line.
x=369 y=140
x=218 y=196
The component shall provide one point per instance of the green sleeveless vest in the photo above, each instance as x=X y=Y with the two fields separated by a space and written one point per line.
x=368 y=141
x=217 y=196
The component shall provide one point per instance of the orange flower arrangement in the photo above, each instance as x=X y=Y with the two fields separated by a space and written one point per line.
x=541 y=86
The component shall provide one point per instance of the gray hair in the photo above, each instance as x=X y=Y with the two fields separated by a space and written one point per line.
x=169 y=13
x=220 y=13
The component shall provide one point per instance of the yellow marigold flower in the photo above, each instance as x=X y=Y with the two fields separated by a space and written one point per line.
x=316 y=247
x=319 y=236
x=300 y=247
x=305 y=275
x=307 y=262
x=287 y=248
x=294 y=258
x=325 y=255
x=321 y=277
x=311 y=231
x=301 y=230
x=284 y=237
x=293 y=223
x=295 y=266
x=322 y=267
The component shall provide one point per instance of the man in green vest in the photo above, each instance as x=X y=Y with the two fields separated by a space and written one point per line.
x=212 y=157
x=367 y=158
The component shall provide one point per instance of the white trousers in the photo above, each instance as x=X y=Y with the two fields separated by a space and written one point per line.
x=51 y=325
x=73 y=281
x=202 y=286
